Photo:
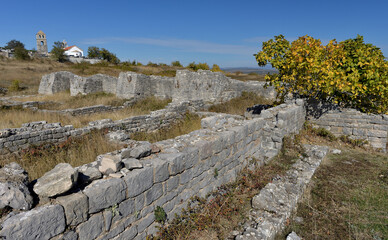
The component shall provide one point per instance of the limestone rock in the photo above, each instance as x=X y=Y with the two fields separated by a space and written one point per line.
x=105 y=193
x=87 y=173
x=57 y=181
x=117 y=136
x=132 y=163
x=5 y=133
x=40 y=223
x=110 y=164
x=140 y=151
x=13 y=187
x=56 y=82
x=76 y=208
x=293 y=236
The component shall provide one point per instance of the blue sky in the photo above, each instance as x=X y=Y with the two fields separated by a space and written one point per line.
x=227 y=33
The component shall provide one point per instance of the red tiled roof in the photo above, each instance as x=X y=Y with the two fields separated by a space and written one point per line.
x=68 y=48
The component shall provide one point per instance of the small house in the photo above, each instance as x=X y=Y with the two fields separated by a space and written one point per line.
x=74 y=51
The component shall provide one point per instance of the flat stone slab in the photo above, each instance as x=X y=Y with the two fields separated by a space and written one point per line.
x=57 y=181
x=40 y=223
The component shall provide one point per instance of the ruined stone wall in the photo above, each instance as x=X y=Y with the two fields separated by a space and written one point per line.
x=186 y=86
x=14 y=140
x=122 y=204
x=350 y=122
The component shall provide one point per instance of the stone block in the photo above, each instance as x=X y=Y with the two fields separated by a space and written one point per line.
x=129 y=233
x=145 y=222
x=132 y=163
x=175 y=160
x=92 y=228
x=105 y=193
x=153 y=194
x=139 y=180
x=377 y=133
x=40 y=223
x=161 y=172
x=76 y=208
x=57 y=181
x=110 y=164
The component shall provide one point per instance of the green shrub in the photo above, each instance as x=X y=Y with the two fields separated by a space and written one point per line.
x=176 y=64
x=15 y=86
x=160 y=215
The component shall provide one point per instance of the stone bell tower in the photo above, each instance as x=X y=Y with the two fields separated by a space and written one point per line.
x=41 y=43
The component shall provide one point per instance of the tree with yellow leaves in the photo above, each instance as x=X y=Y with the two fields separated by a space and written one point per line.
x=349 y=73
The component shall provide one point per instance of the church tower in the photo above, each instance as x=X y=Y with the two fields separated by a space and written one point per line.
x=41 y=43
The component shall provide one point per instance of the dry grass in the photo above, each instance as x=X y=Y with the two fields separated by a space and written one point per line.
x=39 y=160
x=348 y=194
x=246 y=76
x=63 y=100
x=188 y=124
x=14 y=118
x=239 y=105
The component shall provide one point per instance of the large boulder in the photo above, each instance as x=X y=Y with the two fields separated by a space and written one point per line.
x=57 y=181
x=56 y=82
x=14 y=192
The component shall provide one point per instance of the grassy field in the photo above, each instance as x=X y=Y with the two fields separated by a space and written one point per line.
x=190 y=123
x=14 y=118
x=39 y=160
x=239 y=105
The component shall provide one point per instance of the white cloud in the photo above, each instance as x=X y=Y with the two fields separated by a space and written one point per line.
x=180 y=44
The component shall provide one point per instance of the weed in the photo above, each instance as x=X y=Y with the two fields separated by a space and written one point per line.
x=160 y=215
x=15 y=86
x=353 y=142
x=215 y=172
x=114 y=209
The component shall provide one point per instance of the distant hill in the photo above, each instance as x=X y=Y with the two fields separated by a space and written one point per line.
x=250 y=70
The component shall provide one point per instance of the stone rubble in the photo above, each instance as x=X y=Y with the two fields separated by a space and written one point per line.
x=14 y=190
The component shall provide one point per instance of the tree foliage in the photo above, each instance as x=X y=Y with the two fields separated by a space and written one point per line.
x=196 y=67
x=58 y=52
x=94 y=52
x=349 y=73
x=21 y=53
x=176 y=64
x=14 y=44
x=216 y=68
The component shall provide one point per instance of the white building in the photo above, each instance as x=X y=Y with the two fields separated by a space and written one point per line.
x=74 y=51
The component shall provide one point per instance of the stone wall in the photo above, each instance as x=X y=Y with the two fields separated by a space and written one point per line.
x=14 y=140
x=121 y=205
x=350 y=122
x=186 y=86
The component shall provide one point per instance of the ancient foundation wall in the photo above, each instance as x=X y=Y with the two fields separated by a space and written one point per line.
x=14 y=140
x=350 y=122
x=122 y=204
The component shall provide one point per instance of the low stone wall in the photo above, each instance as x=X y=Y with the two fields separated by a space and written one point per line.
x=275 y=203
x=14 y=140
x=122 y=204
x=350 y=122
